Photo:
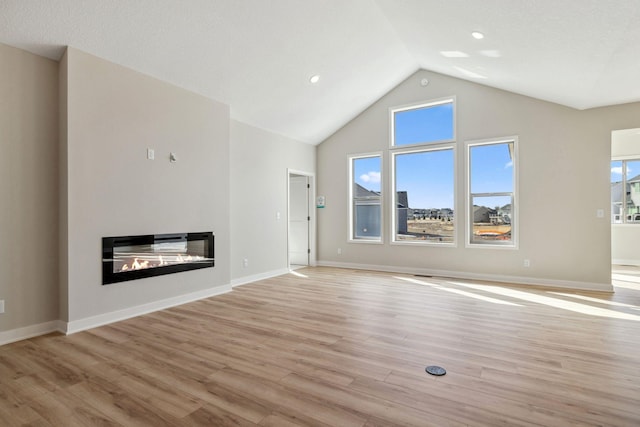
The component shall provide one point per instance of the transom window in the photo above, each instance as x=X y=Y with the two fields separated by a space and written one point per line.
x=426 y=123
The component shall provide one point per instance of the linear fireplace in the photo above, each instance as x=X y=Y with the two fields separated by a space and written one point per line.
x=134 y=257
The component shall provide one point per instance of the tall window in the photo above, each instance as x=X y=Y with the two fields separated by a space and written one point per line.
x=422 y=153
x=492 y=194
x=431 y=122
x=625 y=191
x=366 y=198
x=424 y=196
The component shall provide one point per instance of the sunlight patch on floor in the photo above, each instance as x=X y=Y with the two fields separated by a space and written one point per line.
x=551 y=302
x=295 y=273
x=459 y=292
x=625 y=281
x=597 y=300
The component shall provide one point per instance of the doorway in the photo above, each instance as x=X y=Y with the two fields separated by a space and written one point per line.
x=299 y=230
x=625 y=196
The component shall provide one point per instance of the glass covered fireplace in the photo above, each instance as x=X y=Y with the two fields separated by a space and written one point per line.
x=134 y=257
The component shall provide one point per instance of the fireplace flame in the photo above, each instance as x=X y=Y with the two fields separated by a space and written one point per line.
x=159 y=261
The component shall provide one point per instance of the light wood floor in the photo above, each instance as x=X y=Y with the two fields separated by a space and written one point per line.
x=332 y=347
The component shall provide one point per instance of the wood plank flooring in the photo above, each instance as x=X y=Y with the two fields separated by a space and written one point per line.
x=336 y=347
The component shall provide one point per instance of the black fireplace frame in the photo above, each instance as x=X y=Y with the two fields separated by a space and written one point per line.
x=109 y=243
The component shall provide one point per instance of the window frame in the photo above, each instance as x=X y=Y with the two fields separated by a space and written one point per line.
x=414 y=106
x=351 y=201
x=515 y=211
x=409 y=149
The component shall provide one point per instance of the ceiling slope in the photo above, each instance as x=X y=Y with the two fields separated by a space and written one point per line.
x=258 y=55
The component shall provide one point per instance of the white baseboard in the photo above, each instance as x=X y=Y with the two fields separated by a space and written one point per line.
x=115 y=316
x=72 y=327
x=255 y=277
x=565 y=284
x=634 y=262
x=19 y=334
x=31 y=331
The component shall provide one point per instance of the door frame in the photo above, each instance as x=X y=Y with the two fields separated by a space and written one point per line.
x=312 y=213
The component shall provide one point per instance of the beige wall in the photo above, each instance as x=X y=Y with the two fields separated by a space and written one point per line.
x=28 y=188
x=259 y=163
x=114 y=115
x=564 y=157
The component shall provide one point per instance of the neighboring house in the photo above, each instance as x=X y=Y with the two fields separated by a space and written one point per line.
x=633 y=192
x=483 y=214
x=632 y=195
x=419 y=213
x=445 y=213
x=503 y=216
x=432 y=213
x=367 y=215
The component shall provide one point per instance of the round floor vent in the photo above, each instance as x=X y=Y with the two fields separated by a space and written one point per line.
x=435 y=370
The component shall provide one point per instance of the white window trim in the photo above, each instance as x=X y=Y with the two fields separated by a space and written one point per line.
x=392 y=173
x=468 y=216
x=350 y=237
x=406 y=107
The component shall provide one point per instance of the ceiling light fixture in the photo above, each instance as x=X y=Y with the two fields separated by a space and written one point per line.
x=477 y=35
x=314 y=79
x=453 y=54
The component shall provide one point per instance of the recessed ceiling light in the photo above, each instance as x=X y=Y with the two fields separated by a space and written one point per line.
x=477 y=35
x=314 y=79
x=453 y=54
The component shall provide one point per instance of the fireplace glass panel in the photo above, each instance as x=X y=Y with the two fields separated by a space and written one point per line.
x=134 y=257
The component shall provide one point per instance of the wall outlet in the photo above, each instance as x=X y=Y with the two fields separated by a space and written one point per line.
x=245 y=262
x=1 y=306
x=600 y=213
x=527 y=263
x=339 y=251
x=151 y=154
x=278 y=216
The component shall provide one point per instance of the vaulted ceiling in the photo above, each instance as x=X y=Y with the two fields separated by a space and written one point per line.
x=258 y=55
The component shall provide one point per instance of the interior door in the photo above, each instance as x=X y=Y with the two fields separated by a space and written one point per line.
x=298 y=220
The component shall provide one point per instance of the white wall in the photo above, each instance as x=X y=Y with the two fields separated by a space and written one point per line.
x=625 y=143
x=28 y=189
x=114 y=114
x=259 y=163
x=564 y=157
